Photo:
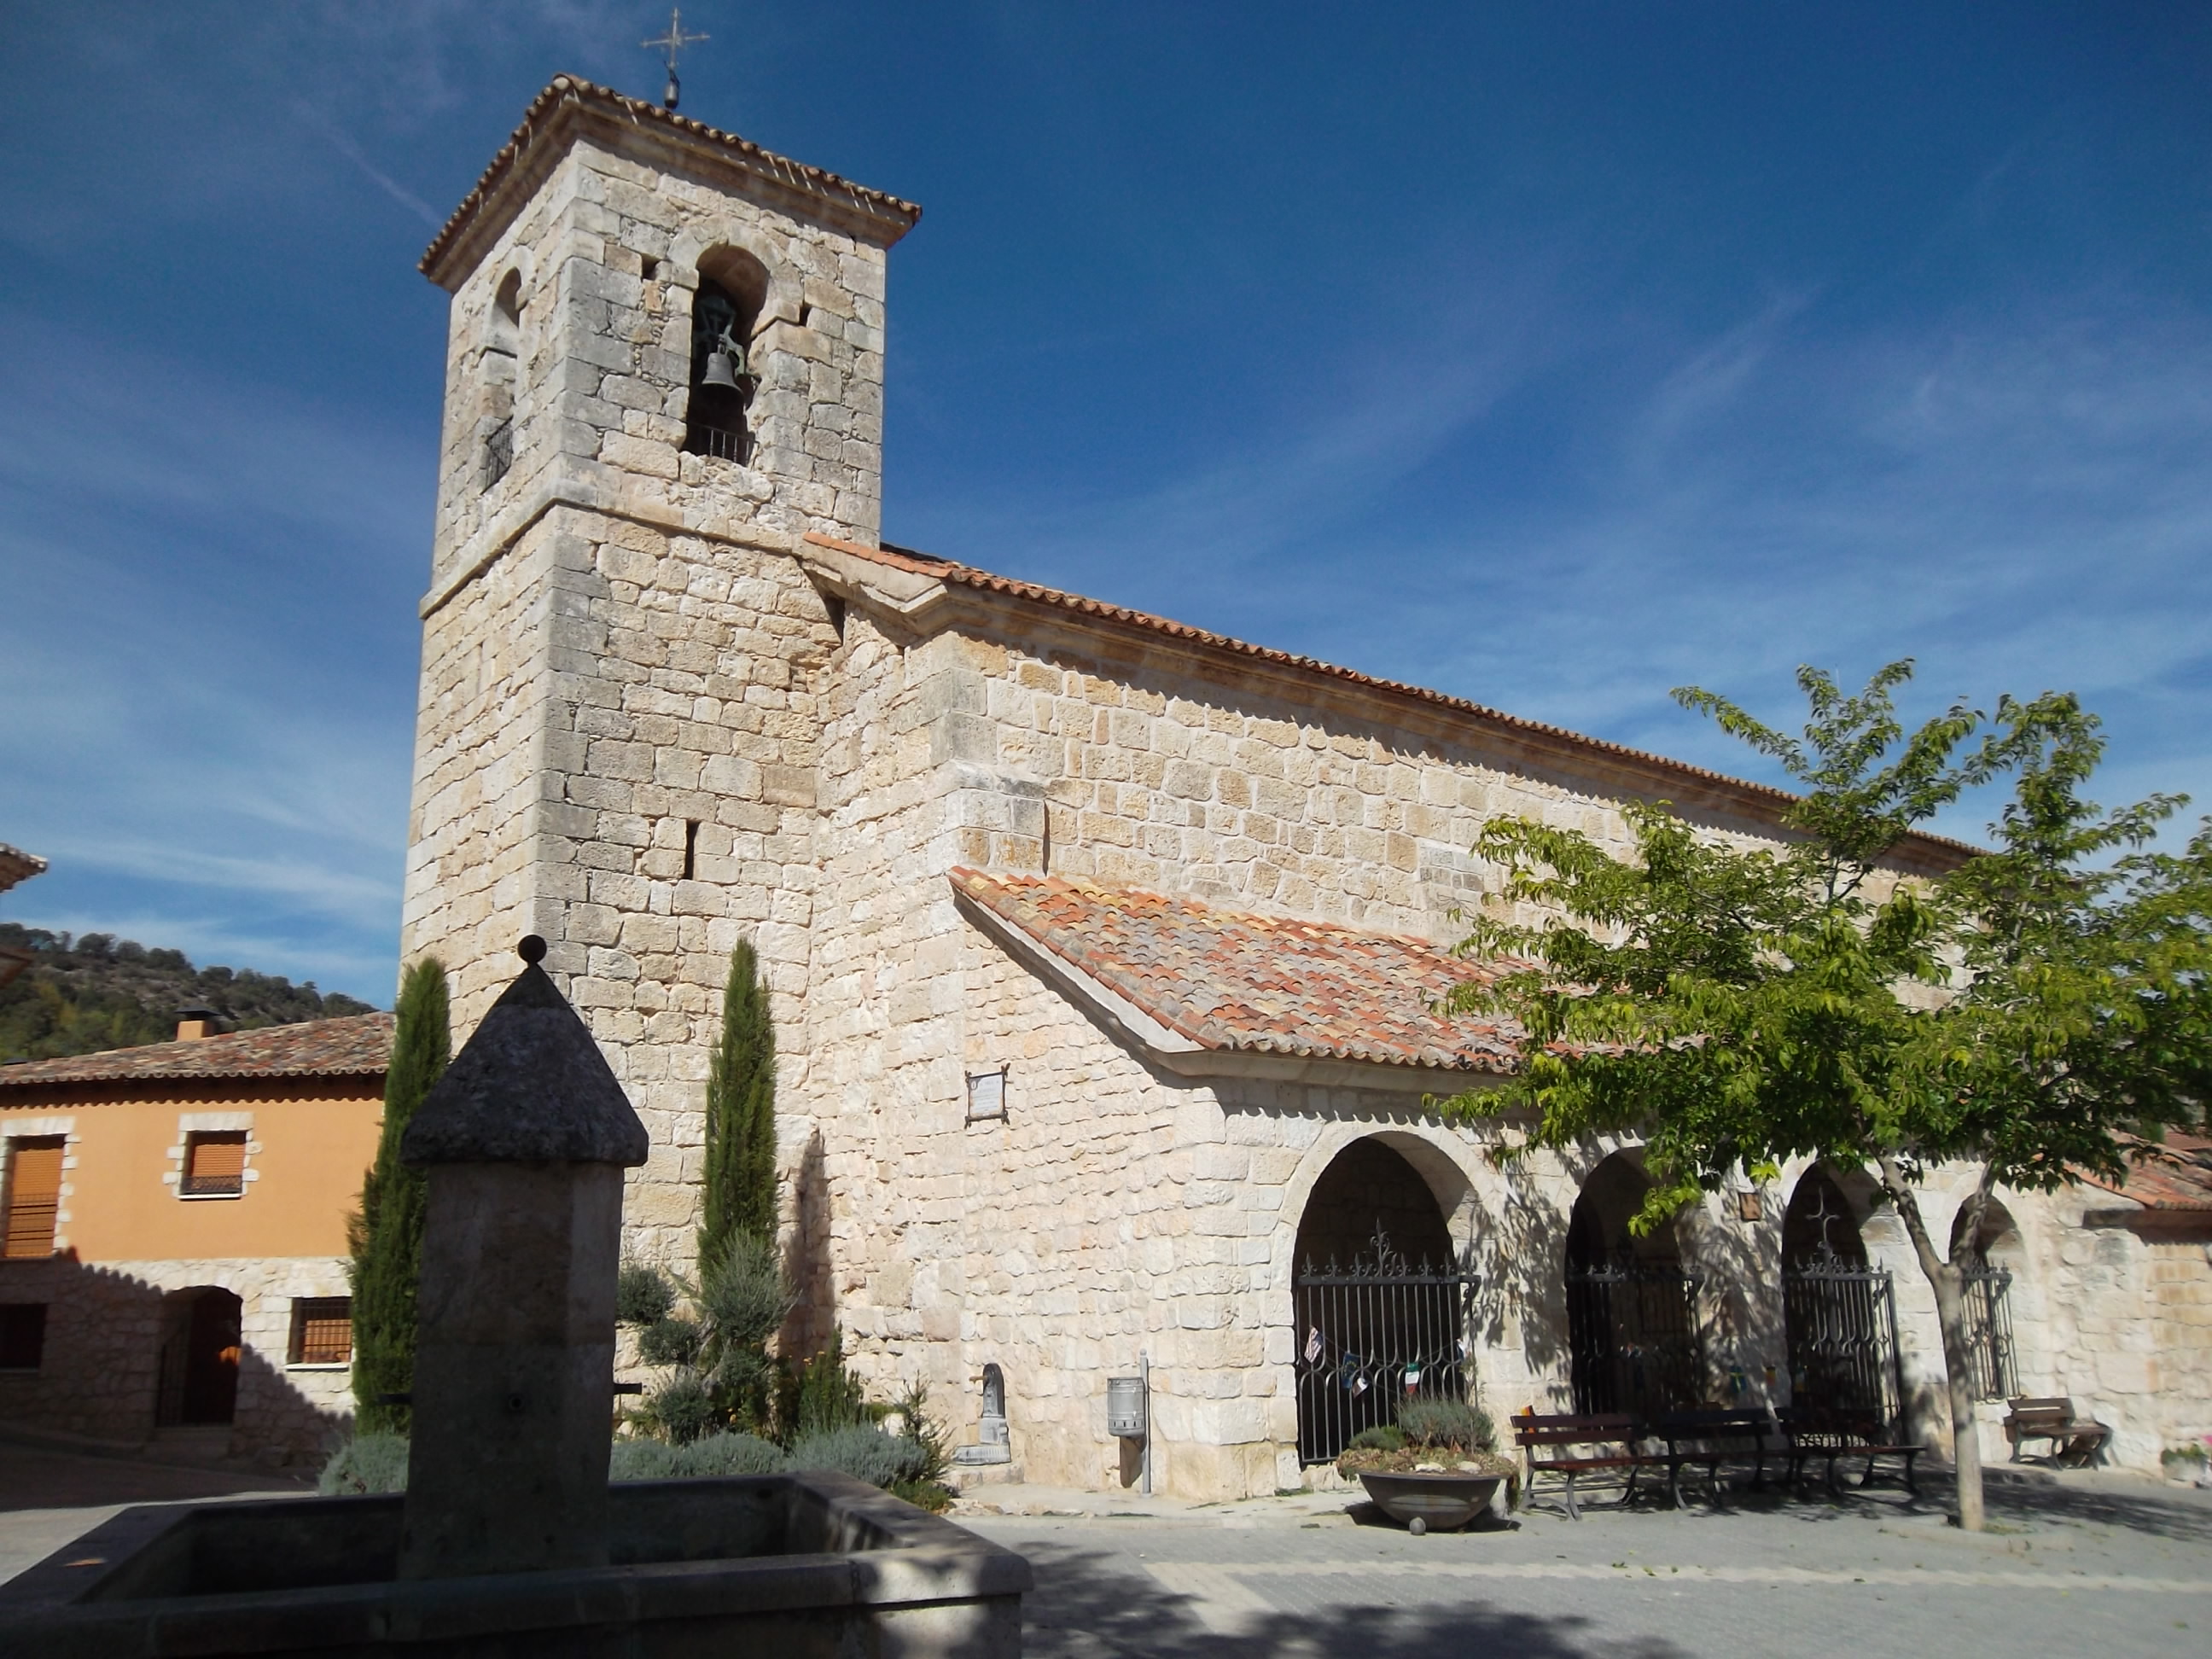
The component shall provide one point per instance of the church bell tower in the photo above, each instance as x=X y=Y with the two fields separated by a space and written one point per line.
x=664 y=368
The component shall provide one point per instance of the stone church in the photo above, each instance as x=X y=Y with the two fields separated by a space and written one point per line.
x=1103 y=947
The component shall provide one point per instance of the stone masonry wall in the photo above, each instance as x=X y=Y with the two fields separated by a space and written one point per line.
x=100 y=1374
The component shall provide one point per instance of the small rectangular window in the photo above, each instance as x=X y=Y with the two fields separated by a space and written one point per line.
x=322 y=1331
x=215 y=1165
x=22 y=1336
x=35 y=1195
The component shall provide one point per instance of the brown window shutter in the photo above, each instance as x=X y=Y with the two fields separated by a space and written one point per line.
x=34 y=1196
x=216 y=1164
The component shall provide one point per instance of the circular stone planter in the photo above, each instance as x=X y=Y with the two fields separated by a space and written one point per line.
x=1430 y=1499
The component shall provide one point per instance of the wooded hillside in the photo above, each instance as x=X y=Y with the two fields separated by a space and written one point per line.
x=93 y=992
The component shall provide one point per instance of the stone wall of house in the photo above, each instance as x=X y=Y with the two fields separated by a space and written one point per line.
x=99 y=1379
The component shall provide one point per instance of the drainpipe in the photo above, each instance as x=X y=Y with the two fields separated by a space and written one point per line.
x=1145 y=1371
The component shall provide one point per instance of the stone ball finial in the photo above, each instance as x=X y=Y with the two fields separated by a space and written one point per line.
x=531 y=950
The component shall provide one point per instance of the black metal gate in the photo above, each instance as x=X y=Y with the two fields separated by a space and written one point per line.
x=1988 y=1333
x=1372 y=1335
x=1842 y=1319
x=1634 y=1343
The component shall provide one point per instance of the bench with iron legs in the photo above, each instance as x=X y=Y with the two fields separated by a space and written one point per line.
x=1602 y=1449
x=1823 y=1434
x=1711 y=1438
x=2073 y=1438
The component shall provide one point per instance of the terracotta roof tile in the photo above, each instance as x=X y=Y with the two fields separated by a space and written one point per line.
x=573 y=89
x=1947 y=852
x=1238 y=980
x=359 y=1045
x=2184 y=1185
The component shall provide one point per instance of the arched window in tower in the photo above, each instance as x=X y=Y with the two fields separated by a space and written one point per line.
x=502 y=347
x=733 y=288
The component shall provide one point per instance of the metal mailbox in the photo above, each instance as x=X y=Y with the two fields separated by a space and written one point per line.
x=1125 y=1407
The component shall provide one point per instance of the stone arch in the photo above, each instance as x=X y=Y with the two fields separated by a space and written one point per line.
x=1993 y=1258
x=1635 y=1331
x=693 y=253
x=1371 y=1325
x=1820 y=1218
x=1839 y=1315
x=202 y=1340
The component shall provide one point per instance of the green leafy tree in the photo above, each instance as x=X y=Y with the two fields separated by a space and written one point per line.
x=2039 y=1013
x=740 y=1174
x=385 y=1235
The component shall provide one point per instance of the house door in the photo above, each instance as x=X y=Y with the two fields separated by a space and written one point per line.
x=200 y=1359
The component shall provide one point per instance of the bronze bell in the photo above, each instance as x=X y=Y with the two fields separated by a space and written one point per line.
x=726 y=365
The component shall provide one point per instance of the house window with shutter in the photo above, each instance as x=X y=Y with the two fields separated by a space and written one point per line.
x=214 y=1164
x=35 y=1195
x=322 y=1331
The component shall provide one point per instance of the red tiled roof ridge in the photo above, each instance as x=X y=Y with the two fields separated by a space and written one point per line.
x=351 y=1045
x=576 y=88
x=949 y=570
x=2168 y=1183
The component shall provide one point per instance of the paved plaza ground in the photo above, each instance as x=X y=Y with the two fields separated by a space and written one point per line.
x=2106 y=1565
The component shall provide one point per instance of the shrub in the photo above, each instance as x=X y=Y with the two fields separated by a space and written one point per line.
x=367 y=1463
x=1447 y=1423
x=669 y=1342
x=1379 y=1439
x=830 y=1396
x=713 y=1456
x=643 y=1295
x=643 y=1460
x=865 y=1454
x=682 y=1408
x=709 y=1457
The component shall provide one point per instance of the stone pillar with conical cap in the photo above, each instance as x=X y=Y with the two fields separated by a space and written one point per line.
x=524 y=1140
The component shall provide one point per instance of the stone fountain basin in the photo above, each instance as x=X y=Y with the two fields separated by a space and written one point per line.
x=816 y=1563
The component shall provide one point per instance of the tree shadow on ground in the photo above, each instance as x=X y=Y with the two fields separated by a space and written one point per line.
x=1089 y=1605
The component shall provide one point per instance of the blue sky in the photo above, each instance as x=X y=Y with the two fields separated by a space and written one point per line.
x=1554 y=355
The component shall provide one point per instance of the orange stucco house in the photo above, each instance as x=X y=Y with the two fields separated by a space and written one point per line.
x=172 y=1252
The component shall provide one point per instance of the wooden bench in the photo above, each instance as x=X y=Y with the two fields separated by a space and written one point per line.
x=1713 y=1436
x=1602 y=1447
x=1817 y=1432
x=2073 y=1438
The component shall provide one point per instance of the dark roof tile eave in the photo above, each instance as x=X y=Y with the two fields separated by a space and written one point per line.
x=635 y=109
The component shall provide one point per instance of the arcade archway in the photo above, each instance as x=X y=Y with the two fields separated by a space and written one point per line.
x=1840 y=1310
x=1379 y=1301
x=1634 y=1342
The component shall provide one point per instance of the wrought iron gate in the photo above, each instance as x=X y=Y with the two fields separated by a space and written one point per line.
x=1988 y=1333
x=1842 y=1319
x=1633 y=1339
x=1370 y=1335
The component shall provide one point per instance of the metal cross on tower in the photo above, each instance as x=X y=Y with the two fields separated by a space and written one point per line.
x=669 y=44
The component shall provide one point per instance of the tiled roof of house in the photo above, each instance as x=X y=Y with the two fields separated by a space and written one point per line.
x=1947 y=852
x=2186 y=1184
x=637 y=112
x=359 y=1045
x=1238 y=980
x=17 y=865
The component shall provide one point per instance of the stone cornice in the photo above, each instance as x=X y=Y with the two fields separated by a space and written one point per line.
x=571 y=106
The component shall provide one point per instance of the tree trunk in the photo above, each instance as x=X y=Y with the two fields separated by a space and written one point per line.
x=1950 y=1287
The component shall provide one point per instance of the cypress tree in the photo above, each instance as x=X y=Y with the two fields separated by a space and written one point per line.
x=387 y=1234
x=740 y=1174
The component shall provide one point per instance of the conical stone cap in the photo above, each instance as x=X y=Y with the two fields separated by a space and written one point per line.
x=530 y=1086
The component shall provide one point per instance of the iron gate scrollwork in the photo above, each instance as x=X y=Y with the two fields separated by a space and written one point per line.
x=1634 y=1341
x=1370 y=1335
x=1842 y=1319
x=1989 y=1332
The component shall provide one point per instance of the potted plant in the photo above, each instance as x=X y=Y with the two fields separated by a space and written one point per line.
x=1439 y=1466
